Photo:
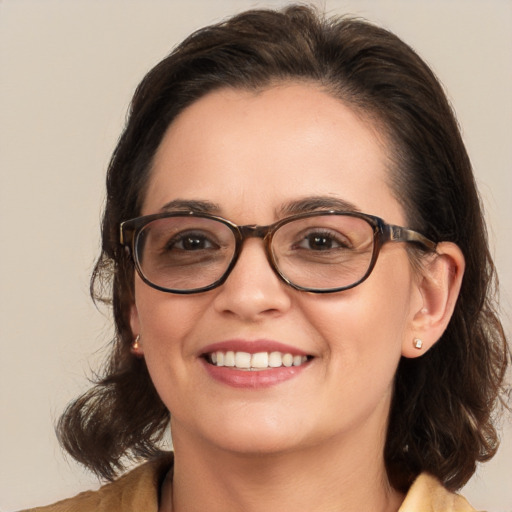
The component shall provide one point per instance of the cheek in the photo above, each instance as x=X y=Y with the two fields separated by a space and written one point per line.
x=165 y=322
x=368 y=322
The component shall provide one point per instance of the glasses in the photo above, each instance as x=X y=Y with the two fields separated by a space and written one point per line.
x=320 y=252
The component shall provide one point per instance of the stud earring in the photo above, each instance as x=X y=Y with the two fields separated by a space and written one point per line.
x=134 y=349
x=417 y=343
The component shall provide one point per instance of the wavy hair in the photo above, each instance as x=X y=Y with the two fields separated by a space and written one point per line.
x=441 y=418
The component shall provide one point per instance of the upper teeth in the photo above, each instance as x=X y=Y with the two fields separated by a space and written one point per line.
x=260 y=360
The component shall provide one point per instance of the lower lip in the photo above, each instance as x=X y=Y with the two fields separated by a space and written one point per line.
x=253 y=379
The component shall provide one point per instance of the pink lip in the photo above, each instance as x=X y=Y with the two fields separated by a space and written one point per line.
x=252 y=379
x=252 y=347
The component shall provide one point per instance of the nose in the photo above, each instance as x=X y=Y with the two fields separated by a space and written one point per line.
x=252 y=289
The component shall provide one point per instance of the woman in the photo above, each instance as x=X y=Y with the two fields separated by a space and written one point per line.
x=297 y=284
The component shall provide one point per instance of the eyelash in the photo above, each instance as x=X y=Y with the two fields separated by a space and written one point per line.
x=319 y=232
x=181 y=237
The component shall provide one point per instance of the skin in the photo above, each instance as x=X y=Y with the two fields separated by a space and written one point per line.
x=313 y=442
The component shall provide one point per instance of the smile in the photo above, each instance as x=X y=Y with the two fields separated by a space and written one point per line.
x=254 y=362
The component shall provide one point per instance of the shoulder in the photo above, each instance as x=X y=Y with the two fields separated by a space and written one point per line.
x=136 y=490
x=428 y=495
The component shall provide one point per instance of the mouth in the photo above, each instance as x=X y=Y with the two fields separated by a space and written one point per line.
x=259 y=361
x=253 y=364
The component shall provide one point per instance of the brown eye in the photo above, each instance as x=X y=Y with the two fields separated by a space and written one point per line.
x=322 y=241
x=191 y=242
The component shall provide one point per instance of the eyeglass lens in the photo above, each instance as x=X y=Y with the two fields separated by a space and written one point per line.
x=319 y=252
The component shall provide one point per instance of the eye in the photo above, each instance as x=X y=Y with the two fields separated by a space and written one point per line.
x=191 y=241
x=322 y=240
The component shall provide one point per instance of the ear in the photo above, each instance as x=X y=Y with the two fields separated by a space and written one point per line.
x=136 y=348
x=439 y=282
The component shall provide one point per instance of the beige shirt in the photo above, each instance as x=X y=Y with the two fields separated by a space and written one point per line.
x=138 y=491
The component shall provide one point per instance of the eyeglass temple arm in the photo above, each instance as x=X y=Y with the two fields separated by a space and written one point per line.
x=125 y=234
x=399 y=234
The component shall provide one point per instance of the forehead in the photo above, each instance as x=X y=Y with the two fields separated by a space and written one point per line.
x=251 y=151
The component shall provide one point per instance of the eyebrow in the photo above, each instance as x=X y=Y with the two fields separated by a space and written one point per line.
x=192 y=205
x=313 y=203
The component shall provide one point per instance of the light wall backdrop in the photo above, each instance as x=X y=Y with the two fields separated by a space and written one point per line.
x=68 y=70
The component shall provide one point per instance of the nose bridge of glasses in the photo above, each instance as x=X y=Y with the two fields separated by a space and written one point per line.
x=255 y=231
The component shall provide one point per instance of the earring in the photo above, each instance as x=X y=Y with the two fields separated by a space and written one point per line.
x=136 y=346
x=417 y=343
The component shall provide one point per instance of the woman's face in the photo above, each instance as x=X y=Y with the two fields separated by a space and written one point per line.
x=250 y=157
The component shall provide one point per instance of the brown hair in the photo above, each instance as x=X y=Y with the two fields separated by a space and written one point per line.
x=441 y=416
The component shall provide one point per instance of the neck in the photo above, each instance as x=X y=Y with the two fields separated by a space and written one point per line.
x=338 y=477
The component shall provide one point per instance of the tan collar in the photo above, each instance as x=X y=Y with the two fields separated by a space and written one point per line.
x=427 y=494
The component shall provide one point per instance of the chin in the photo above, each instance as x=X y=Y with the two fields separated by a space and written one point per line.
x=249 y=436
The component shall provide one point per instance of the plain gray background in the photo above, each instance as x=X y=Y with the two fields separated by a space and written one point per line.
x=68 y=70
